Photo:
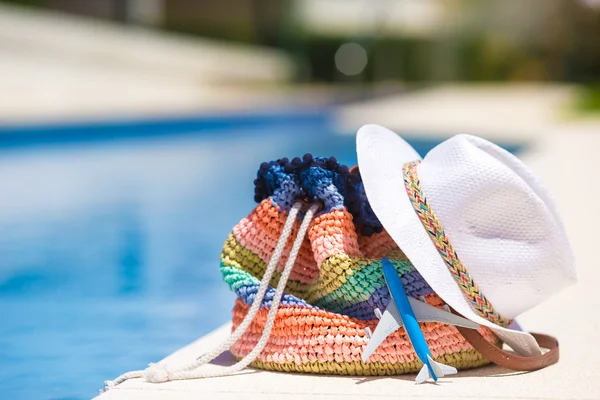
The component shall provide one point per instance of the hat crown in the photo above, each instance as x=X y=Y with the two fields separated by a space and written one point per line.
x=500 y=221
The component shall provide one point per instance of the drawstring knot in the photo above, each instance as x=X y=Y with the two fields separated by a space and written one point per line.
x=159 y=372
x=156 y=373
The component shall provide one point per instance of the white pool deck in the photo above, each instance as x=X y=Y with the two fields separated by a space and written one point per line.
x=57 y=67
x=565 y=154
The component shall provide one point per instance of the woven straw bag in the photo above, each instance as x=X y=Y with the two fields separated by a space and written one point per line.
x=331 y=282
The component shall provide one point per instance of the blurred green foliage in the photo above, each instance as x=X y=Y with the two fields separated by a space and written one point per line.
x=477 y=40
x=588 y=99
x=37 y=3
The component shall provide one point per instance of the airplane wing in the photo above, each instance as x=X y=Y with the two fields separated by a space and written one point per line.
x=427 y=313
x=389 y=322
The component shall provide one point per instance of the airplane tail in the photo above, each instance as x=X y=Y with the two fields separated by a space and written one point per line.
x=439 y=370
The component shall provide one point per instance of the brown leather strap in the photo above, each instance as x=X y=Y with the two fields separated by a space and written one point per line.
x=510 y=360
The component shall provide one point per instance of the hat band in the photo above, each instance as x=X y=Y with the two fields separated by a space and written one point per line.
x=442 y=243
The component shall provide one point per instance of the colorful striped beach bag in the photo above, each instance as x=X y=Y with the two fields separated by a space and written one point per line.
x=305 y=265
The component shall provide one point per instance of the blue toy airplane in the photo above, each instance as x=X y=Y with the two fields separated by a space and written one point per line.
x=406 y=311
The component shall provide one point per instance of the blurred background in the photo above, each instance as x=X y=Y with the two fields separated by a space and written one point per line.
x=131 y=132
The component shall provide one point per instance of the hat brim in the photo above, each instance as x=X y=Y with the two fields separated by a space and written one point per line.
x=381 y=157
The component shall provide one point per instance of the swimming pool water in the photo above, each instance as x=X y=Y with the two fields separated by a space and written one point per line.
x=109 y=251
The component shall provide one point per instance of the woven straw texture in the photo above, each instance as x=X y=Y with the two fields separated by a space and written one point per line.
x=336 y=283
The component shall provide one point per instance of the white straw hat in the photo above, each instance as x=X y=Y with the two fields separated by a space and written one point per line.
x=475 y=222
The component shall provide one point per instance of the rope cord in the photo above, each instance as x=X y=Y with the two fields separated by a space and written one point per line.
x=160 y=372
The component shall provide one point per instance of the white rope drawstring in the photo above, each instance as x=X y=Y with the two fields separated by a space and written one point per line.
x=157 y=373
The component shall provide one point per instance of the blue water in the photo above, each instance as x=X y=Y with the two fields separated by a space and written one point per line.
x=110 y=239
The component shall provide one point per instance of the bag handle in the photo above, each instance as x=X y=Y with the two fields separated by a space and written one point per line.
x=512 y=361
